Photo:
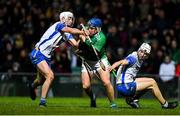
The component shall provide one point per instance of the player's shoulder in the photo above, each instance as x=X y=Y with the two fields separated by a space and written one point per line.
x=59 y=23
x=133 y=54
x=59 y=26
x=101 y=34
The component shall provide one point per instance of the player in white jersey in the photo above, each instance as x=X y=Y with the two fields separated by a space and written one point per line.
x=127 y=83
x=40 y=56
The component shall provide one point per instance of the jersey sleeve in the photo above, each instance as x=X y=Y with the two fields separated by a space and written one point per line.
x=68 y=36
x=131 y=60
x=60 y=26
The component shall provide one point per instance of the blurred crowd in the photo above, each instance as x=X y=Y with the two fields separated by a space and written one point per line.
x=127 y=23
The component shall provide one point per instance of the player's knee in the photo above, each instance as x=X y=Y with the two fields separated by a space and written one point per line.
x=86 y=85
x=50 y=76
x=106 y=83
x=153 y=81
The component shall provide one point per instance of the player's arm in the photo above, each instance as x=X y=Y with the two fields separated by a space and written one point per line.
x=118 y=63
x=130 y=60
x=82 y=38
x=73 y=43
x=61 y=27
x=76 y=43
x=85 y=40
x=72 y=30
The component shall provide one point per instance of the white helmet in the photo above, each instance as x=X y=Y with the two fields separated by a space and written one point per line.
x=64 y=17
x=145 y=47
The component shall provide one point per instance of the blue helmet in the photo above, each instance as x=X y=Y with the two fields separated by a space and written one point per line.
x=95 y=22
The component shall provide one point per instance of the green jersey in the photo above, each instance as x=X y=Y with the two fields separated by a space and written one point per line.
x=98 y=41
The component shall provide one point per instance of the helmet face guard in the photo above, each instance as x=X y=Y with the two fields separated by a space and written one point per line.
x=144 y=51
x=67 y=18
x=145 y=47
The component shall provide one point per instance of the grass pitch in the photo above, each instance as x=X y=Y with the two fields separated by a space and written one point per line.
x=79 y=106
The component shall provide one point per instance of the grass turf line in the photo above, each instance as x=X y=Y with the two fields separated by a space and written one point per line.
x=79 y=106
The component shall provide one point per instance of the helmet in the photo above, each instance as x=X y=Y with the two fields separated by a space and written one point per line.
x=146 y=47
x=64 y=17
x=95 y=22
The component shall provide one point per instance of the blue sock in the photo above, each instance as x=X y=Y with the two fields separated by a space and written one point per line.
x=43 y=100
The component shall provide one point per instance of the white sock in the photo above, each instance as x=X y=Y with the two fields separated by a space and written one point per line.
x=165 y=104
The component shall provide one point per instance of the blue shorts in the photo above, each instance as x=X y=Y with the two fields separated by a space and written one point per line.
x=36 y=57
x=127 y=89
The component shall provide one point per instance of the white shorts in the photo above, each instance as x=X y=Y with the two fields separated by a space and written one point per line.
x=94 y=65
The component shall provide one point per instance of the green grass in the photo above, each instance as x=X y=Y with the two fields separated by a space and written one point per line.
x=79 y=106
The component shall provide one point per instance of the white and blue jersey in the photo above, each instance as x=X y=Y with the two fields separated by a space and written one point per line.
x=50 y=40
x=126 y=75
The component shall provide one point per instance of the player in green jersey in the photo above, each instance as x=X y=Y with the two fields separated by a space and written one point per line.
x=91 y=61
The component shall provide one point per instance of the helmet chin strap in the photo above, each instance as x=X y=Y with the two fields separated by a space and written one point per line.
x=98 y=29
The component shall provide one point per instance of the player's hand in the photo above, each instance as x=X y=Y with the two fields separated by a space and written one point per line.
x=110 y=68
x=86 y=32
x=82 y=37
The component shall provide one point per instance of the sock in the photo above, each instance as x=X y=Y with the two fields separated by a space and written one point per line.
x=136 y=100
x=43 y=100
x=90 y=93
x=165 y=104
x=113 y=104
x=94 y=97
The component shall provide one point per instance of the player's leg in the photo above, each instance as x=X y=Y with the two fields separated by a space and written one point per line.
x=86 y=83
x=86 y=76
x=39 y=80
x=134 y=100
x=134 y=103
x=33 y=86
x=149 y=83
x=36 y=57
x=128 y=90
x=139 y=94
x=46 y=71
x=105 y=78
